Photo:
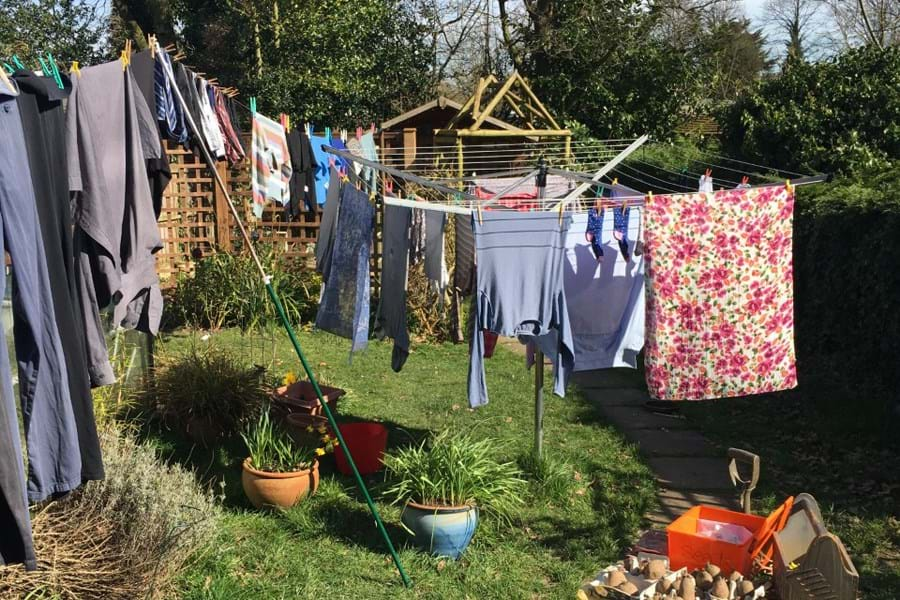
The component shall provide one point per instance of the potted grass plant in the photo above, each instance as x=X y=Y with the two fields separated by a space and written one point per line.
x=445 y=482
x=277 y=471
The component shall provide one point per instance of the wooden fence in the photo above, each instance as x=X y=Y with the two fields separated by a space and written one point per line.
x=195 y=219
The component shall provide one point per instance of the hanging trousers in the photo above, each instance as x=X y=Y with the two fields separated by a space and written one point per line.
x=391 y=315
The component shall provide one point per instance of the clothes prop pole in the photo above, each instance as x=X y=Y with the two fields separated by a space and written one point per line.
x=273 y=295
x=538 y=353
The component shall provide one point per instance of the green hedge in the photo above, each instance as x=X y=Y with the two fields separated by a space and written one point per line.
x=847 y=277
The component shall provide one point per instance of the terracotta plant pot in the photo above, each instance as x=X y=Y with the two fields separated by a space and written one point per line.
x=297 y=424
x=278 y=489
x=441 y=530
x=300 y=397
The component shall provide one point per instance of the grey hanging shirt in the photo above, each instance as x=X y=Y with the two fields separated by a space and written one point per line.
x=111 y=132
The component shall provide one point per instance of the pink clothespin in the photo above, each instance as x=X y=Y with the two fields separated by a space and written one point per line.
x=372 y=128
x=389 y=186
x=331 y=161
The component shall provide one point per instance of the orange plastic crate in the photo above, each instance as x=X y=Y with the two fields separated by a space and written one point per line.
x=687 y=549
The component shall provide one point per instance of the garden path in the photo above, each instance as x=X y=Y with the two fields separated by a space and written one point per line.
x=689 y=469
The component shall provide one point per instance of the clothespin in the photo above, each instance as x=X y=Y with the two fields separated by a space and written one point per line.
x=708 y=173
x=169 y=47
x=561 y=213
x=151 y=42
x=8 y=67
x=788 y=186
x=55 y=69
x=179 y=56
x=287 y=122
x=615 y=181
x=125 y=57
x=252 y=105
x=481 y=221
x=649 y=197
x=372 y=128
x=328 y=133
x=282 y=118
x=5 y=79
x=75 y=69
x=745 y=180
x=389 y=186
x=17 y=62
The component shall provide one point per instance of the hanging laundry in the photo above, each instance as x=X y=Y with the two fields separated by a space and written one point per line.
x=435 y=265
x=354 y=145
x=706 y=183
x=111 y=132
x=720 y=310
x=325 y=241
x=391 y=314
x=270 y=168
x=605 y=301
x=417 y=237
x=236 y=124
x=517 y=194
x=322 y=163
x=143 y=68
x=209 y=121
x=51 y=434
x=338 y=144
x=593 y=231
x=185 y=81
x=464 y=267
x=234 y=152
x=44 y=123
x=519 y=291
x=344 y=309
x=370 y=152
x=168 y=110
x=299 y=153
x=620 y=229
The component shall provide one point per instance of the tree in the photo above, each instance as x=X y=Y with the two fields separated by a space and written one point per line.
x=732 y=59
x=862 y=22
x=797 y=24
x=69 y=29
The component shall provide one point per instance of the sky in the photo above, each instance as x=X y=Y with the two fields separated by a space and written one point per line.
x=754 y=8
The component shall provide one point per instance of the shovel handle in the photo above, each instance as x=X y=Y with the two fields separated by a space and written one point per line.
x=737 y=455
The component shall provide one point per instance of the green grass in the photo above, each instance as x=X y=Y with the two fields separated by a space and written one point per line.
x=584 y=504
x=852 y=474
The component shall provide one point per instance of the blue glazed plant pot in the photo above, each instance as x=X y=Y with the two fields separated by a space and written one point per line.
x=441 y=530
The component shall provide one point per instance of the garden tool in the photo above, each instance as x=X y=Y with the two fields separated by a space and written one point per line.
x=742 y=456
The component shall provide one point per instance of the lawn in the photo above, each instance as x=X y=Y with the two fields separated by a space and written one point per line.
x=832 y=454
x=578 y=517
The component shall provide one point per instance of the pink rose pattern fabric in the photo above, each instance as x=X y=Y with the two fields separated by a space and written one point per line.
x=720 y=302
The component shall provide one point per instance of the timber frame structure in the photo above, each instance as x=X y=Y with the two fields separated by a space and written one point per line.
x=518 y=96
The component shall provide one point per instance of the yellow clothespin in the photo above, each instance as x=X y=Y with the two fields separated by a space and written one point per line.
x=560 y=213
x=126 y=55
x=75 y=68
x=788 y=186
x=615 y=181
x=151 y=41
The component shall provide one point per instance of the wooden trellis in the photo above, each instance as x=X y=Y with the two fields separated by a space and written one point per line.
x=195 y=219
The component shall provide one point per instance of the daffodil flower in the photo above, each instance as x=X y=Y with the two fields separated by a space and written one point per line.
x=309 y=428
x=320 y=451
x=322 y=429
x=289 y=379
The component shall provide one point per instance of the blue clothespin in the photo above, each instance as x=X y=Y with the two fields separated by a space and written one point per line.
x=252 y=105
x=8 y=68
x=328 y=134
x=45 y=68
x=17 y=62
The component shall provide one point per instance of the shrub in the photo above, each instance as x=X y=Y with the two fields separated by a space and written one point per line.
x=455 y=469
x=207 y=388
x=837 y=115
x=125 y=537
x=226 y=291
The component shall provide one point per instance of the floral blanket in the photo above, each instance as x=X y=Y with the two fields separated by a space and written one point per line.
x=720 y=298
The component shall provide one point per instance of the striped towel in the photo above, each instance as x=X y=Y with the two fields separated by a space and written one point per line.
x=271 y=164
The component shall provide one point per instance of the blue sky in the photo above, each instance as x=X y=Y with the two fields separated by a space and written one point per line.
x=754 y=8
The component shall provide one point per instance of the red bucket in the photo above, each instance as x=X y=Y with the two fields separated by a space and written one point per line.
x=366 y=442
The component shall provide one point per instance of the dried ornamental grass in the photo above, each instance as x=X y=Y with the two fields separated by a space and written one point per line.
x=125 y=537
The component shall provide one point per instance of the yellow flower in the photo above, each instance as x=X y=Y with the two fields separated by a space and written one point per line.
x=325 y=439
x=320 y=451
x=322 y=429
x=289 y=379
x=309 y=428
x=335 y=442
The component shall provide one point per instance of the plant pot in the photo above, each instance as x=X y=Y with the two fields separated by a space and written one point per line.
x=202 y=431
x=441 y=530
x=366 y=443
x=300 y=397
x=297 y=424
x=278 y=489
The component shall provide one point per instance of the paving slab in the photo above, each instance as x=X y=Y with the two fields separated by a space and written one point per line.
x=616 y=396
x=608 y=378
x=672 y=443
x=692 y=473
x=627 y=418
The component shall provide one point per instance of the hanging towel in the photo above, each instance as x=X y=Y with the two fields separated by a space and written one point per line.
x=370 y=152
x=325 y=241
x=720 y=308
x=43 y=120
x=344 y=309
x=391 y=319
x=520 y=292
x=435 y=265
x=271 y=164
x=605 y=300
x=706 y=184
x=464 y=267
x=355 y=147
x=111 y=132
